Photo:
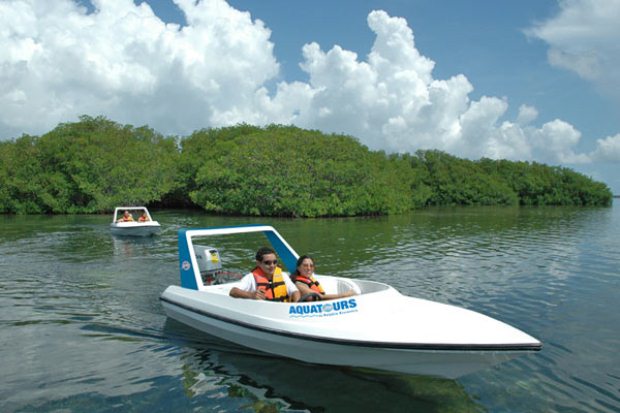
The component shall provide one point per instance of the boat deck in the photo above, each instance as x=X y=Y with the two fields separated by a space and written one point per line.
x=332 y=285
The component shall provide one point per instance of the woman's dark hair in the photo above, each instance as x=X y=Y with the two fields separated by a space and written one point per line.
x=299 y=261
x=262 y=252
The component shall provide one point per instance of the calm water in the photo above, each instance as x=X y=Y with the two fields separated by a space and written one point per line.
x=82 y=328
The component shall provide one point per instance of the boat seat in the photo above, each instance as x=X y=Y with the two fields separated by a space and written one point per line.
x=344 y=286
x=365 y=287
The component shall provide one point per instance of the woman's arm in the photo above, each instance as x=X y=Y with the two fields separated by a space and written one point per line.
x=342 y=295
x=304 y=289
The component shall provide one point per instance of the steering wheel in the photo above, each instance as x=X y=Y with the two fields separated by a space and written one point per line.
x=310 y=297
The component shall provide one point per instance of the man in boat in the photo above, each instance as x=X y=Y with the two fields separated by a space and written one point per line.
x=266 y=281
x=127 y=217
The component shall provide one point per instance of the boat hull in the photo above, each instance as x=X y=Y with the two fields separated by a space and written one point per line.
x=305 y=344
x=376 y=328
x=136 y=230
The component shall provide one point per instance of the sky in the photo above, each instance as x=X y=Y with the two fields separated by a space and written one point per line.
x=527 y=80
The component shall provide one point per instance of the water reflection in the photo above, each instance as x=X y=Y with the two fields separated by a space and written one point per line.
x=276 y=384
x=81 y=322
x=131 y=247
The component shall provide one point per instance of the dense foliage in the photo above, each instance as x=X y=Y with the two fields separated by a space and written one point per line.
x=95 y=164
x=538 y=184
x=287 y=171
x=85 y=167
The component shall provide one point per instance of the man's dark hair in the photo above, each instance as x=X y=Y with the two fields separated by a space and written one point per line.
x=262 y=252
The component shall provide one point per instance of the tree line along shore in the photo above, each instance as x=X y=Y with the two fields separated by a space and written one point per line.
x=95 y=164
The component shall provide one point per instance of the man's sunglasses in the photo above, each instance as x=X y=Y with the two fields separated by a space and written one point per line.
x=274 y=262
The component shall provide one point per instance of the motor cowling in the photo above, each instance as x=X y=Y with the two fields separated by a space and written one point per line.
x=208 y=259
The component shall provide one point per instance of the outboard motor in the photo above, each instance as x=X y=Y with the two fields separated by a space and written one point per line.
x=209 y=263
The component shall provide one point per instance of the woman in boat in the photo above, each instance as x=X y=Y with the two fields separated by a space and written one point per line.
x=303 y=277
x=266 y=281
x=127 y=217
x=143 y=217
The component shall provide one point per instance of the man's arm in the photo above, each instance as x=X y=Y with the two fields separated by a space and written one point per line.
x=239 y=293
x=247 y=289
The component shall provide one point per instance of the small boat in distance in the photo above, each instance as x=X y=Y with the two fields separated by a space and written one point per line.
x=378 y=328
x=124 y=223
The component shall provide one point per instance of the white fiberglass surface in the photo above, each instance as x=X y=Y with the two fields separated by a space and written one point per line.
x=384 y=317
x=131 y=224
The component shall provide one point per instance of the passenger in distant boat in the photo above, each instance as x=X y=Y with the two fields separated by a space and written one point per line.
x=266 y=281
x=143 y=217
x=127 y=217
x=303 y=277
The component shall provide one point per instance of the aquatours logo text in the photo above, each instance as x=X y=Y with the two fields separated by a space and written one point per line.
x=323 y=309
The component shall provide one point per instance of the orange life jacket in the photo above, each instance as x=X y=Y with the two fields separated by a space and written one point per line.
x=311 y=282
x=275 y=289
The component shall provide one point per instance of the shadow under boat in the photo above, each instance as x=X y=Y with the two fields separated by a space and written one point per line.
x=266 y=379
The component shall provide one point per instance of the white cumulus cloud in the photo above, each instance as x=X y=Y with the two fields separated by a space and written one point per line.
x=583 y=38
x=608 y=149
x=58 y=61
x=390 y=100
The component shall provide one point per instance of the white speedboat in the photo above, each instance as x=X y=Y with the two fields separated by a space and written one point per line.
x=379 y=328
x=141 y=225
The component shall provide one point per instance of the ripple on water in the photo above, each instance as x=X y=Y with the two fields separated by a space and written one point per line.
x=82 y=325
